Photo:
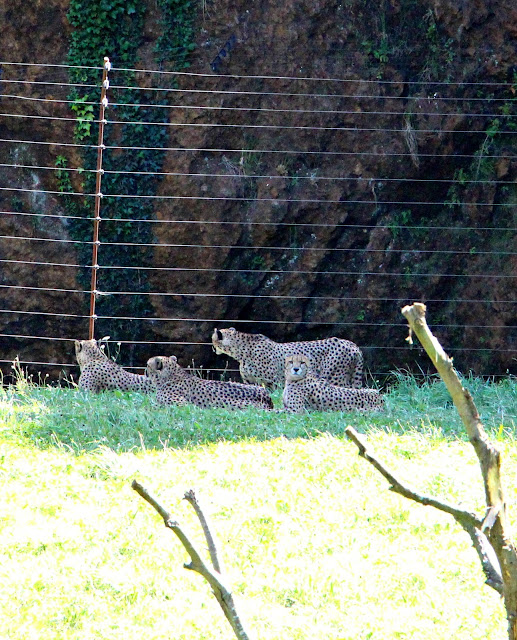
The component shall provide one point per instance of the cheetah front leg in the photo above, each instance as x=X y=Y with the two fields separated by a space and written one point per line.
x=293 y=402
x=250 y=376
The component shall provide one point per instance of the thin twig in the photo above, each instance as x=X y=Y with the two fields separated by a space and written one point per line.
x=192 y=499
x=462 y=516
x=469 y=521
x=221 y=591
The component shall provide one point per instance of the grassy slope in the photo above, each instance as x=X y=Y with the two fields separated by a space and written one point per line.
x=316 y=545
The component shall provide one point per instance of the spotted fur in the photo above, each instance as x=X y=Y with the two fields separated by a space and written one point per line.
x=305 y=391
x=262 y=360
x=175 y=385
x=99 y=373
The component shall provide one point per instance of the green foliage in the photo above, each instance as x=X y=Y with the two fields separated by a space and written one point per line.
x=379 y=51
x=440 y=51
x=85 y=117
x=72 y=206
x=408 y=39
x=114 y=28
x=399 y=219
x=104 y=28
x=177 y=39
x=483 y=166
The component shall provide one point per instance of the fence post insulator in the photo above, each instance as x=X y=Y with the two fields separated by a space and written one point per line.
x=98 y=192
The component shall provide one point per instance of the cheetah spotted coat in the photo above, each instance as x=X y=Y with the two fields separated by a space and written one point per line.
x=175 y=385
x=262 y=360
x=305 y=391
x=99 y=373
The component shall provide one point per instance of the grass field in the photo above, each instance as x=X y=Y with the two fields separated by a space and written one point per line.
x=315 y=544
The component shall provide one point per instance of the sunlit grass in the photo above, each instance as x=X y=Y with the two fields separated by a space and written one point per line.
x=315 y=543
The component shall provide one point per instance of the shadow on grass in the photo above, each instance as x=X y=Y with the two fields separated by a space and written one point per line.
x=82 y=422
x=50 y=417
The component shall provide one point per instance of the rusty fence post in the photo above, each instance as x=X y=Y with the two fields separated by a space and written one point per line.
x=98 y=195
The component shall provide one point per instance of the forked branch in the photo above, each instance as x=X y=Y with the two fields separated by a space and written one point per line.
x=192 y=499
x=465 y=518
x=213 y=576
x=469 y=521
x=489 y=534
x=487 y=453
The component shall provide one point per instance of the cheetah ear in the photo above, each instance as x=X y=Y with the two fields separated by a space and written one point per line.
x=78 y=345
x=232 y=329
x=173 y=359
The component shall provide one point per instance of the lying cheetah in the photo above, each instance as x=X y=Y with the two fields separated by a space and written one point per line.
x=99 y=373
x=304 y=390
x=262 y=360
x=175 y=385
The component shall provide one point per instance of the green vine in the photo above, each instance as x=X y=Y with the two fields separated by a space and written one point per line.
x=177 y=39
x=114 y=28
x=483 y=165
x=408 y=39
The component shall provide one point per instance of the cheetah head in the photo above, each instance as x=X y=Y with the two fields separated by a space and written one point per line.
x=162 y=367
x=296 y=367
x=88 y=351
x=223 y=340
x=235 y=343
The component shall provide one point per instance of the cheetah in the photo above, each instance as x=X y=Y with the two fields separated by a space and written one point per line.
x=175 y=385
x=306 y=391
x=99 y=373
x=262 y=360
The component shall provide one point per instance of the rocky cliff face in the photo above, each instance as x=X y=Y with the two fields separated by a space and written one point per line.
x=294 y=254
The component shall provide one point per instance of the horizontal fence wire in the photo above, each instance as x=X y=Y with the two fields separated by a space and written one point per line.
x=233 y=123
x=160 y=72
x=242 y=151
x=273 y=127
x=471 y=252
x=251 y=109
x=323 y=225
x=244 y=176
x=376 y=202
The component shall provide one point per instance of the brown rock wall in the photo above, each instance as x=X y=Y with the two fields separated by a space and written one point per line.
x=345 y=258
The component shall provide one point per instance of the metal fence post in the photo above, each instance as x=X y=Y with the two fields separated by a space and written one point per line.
x=98 y=195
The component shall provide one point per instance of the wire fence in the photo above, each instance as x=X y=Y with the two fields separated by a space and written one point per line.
x=153 y=206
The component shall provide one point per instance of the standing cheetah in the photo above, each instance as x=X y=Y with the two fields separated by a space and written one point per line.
x=262 y=360
x=99 y=373
x=175 y=385
x=305 y=391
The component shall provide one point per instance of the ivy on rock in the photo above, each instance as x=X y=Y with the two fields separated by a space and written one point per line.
x=115 y=28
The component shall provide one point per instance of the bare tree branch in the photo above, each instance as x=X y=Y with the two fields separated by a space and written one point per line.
x=192 y=499
x=469 y=521
x=489 y=561
x=487 y=453
x=463 y=517
x=221 y=591
x=495 y=523
x=496 y=551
